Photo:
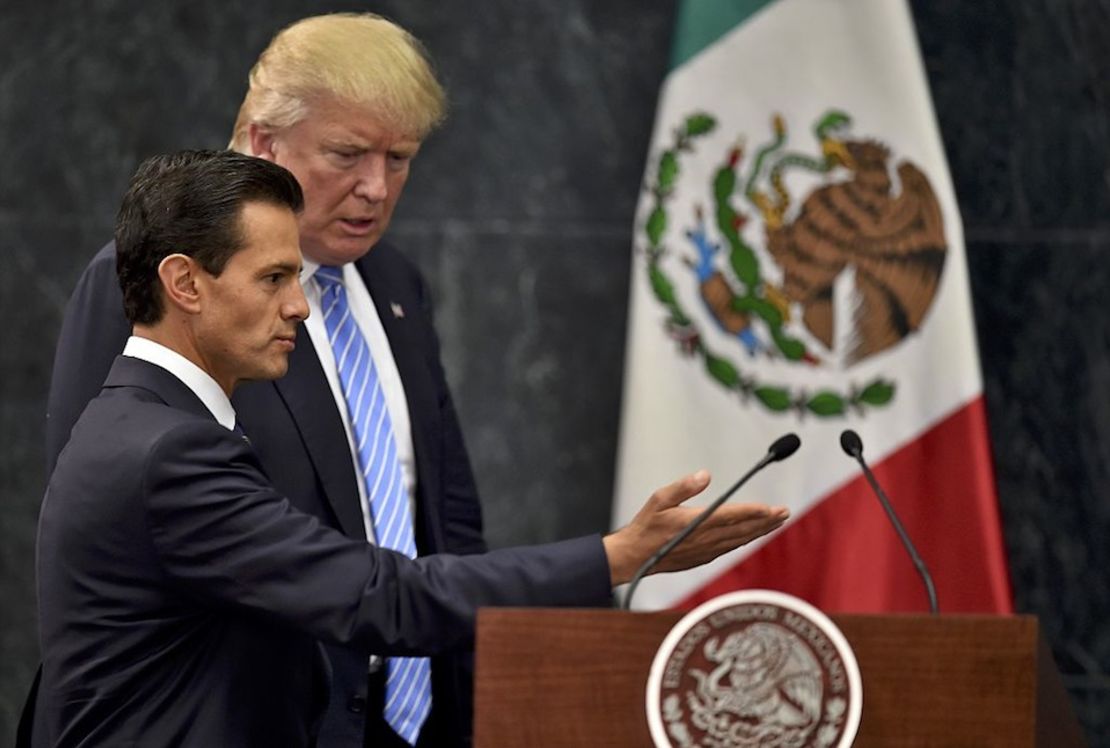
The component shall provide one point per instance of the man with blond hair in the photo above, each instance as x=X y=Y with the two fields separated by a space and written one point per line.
x=344 y=102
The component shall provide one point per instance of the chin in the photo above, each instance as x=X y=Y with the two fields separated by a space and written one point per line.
x=347 y=250
x=274 y=371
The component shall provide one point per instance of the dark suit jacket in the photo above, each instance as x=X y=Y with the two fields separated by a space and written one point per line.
x=297 y=432
x=180 y=594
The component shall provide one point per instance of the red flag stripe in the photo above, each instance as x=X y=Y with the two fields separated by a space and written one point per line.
x=843 y=555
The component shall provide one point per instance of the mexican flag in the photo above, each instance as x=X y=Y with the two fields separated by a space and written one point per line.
x=798 y=265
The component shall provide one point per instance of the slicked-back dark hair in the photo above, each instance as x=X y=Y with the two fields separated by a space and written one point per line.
x=189 y=203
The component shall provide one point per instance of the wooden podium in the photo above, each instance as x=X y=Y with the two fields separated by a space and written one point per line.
x=578 y=678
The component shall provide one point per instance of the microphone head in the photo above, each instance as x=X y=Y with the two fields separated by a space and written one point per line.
x=784 y=446
x=851 y=443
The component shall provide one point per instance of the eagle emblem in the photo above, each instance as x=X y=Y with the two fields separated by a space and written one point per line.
x=820 y=260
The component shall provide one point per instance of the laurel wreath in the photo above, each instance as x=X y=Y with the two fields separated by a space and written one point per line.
x=829 y=728
x=776 y=398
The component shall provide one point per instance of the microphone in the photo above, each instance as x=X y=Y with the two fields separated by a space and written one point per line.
x=853 y=447
x=783 y=447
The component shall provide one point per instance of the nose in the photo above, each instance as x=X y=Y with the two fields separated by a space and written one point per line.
x=296 y=305
x=371 y=183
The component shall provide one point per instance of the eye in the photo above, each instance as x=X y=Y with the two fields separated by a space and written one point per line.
x=344 y=156
x=399 y=159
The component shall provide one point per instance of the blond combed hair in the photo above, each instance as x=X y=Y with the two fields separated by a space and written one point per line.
x=360 y=58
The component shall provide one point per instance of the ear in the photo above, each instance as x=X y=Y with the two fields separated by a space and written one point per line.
x=262 y=141
x=178 y=274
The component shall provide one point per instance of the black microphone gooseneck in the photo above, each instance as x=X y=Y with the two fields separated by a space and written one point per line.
x=783 y=447
x=853 y=447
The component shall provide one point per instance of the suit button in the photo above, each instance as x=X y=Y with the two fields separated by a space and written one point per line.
x=357 y=704
x=374 y=664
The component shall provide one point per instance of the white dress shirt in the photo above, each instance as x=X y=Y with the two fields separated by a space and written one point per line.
x=366 y=317
x=191 y=375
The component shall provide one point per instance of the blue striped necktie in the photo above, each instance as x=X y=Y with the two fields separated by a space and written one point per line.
x=408 y=686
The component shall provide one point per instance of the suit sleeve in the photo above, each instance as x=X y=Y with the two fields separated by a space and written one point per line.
x=224 y=534
x=94 y=331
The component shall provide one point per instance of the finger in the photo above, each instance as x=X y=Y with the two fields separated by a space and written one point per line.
x=733 y=513
x=682 y=489
x=741 y=533
x=737 y=532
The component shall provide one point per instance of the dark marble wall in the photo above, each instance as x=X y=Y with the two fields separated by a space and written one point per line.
x=520 y=214
x=1022 y=92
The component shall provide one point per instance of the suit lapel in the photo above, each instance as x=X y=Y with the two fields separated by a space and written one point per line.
x=307 y=395
x=402 y=318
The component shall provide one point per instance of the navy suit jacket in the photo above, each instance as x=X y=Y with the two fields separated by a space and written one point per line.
x=181 y=595
x=298 y=434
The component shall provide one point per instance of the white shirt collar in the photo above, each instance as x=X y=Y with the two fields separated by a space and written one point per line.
x=308 y=269
x=194 y=377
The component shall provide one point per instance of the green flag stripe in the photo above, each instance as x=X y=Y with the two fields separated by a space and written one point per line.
x=702 y=22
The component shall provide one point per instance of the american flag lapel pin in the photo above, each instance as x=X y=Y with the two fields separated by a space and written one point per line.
x=398 y=311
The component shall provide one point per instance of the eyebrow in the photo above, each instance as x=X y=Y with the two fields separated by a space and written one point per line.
x=346 y=142
x=285 y=267
x=407 y=147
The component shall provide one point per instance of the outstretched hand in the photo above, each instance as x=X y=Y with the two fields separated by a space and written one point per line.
x=664 y=516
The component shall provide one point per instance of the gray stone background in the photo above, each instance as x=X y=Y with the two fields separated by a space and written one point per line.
x=520 y=213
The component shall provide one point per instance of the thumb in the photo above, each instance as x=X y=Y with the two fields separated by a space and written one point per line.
x=682 y=489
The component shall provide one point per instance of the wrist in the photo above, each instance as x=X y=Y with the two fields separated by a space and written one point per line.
x=622 y=564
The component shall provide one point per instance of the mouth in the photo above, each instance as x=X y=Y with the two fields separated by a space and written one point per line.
x=358 y=226
x=286 y=342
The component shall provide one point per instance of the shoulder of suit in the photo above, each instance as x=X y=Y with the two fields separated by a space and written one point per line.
x=106 y=255
x=103 y=264
x=138 y=420
x=384 y=261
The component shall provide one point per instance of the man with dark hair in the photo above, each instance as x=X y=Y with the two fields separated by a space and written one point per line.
x=191 y=199
x=180 y=594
